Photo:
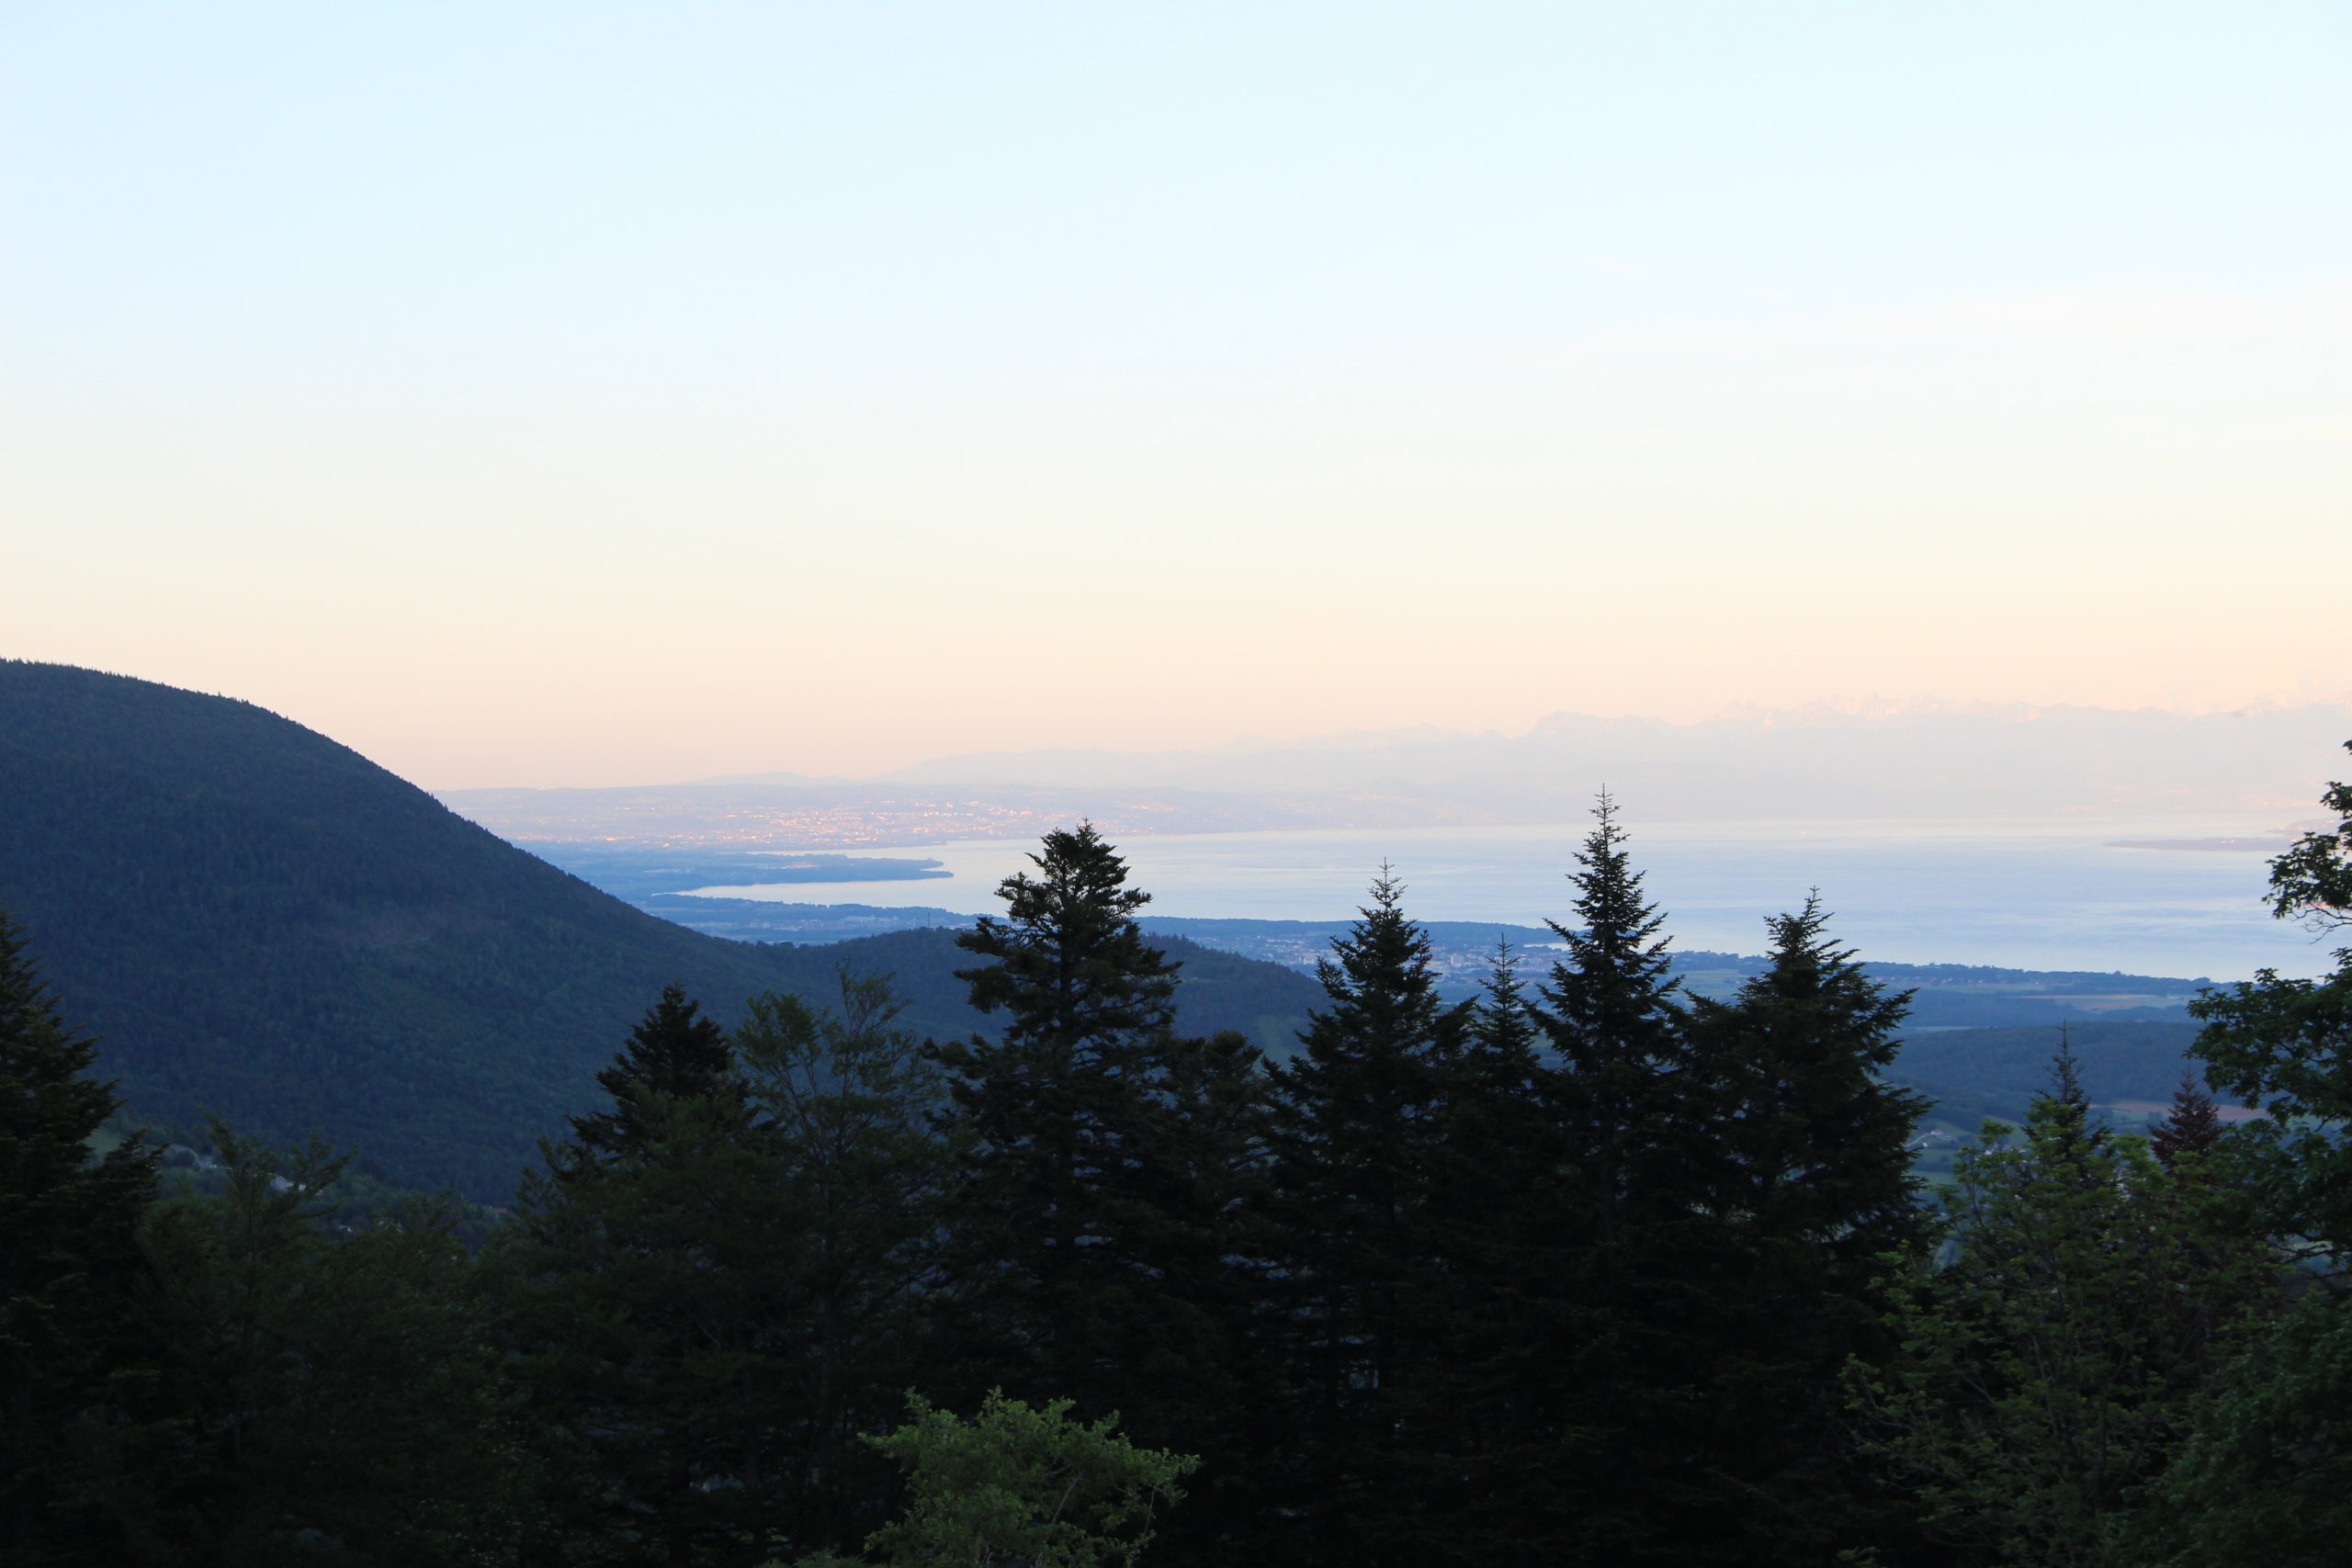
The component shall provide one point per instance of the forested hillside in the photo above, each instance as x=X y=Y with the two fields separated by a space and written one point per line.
x=258 y=922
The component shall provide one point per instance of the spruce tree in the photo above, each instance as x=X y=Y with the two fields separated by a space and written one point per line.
x=1502 y=1037
x=1193 y=1372
x=2192 y=1127
x=1357 y=1125
x=1102 y=1222
x=641 y=1282
x=1614 y=1016
x=68 y=1264
x=1493 y=1174
x=1603 y=1454
x=1811 y=1190
x=673 y=1053
x=1051 y=1110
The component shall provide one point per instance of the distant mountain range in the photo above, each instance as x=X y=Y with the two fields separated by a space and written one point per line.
x=1820 y=763
x=261 y=922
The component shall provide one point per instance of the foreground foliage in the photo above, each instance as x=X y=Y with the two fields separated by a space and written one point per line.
x=1020 y=1488
x=2049 y=1372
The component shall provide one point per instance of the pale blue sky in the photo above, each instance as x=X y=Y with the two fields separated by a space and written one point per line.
x=490 y=384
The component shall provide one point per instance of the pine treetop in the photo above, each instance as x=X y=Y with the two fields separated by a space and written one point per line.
x=2192 y=1126
x=1073 y=970
x=1502 y=1033
x=49 y=1107
x=1380 y=972
x=1613 y=1000
x=673 y=1053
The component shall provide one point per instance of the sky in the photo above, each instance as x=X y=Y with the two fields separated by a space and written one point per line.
x=592 y=393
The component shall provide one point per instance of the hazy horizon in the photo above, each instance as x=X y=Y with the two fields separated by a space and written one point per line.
x=2265 y=766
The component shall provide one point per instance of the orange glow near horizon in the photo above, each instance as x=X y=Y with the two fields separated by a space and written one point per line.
x=540 y=397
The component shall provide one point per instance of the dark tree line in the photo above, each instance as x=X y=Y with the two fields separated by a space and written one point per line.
x=1582 y=1271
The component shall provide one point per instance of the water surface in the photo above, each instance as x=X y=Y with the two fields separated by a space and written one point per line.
x=2038 y=894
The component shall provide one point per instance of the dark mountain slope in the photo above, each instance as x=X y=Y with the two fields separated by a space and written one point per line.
x=262 y=922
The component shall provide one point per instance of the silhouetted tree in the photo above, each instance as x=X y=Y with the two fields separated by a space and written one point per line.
x=1357 y=1131
x=68 y=1266
x=1810 y=1192
x=642 y=1293
x=1102 y=1222
x=672 y=1054
x=1610 y=1374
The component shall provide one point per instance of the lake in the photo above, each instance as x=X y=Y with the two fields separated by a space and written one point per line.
x=2022 y=893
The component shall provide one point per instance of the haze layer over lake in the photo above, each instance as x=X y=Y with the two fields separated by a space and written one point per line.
x=2039 y=893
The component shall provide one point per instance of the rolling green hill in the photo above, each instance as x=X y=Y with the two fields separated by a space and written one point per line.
x=1998 y=1071
x=259 y=922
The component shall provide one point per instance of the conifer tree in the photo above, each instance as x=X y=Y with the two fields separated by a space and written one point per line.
x=1493 y=1174
x=68 y=1261
x=716 y=1298
x=1502 y=1036
x=1612 y=1016
x=1101 y=1220
x=1357 y=1128
x=1053 y=1109
x=640 y=1270
x=673 y=1053
x=1602 y=1454
x=2190 y=1128
x=1811 y=1192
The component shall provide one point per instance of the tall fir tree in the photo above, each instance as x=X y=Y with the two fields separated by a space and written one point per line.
x=1051 y=1111
x=1811 y=1190
x=1603 y=1456
x=1613 y=1016
x=2192 y=1127
x=1493 y=1171
x=1357 y=1127
x=69 y=1262
x=639 y=1282
x=1101 y=1227
x=673 y=1053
